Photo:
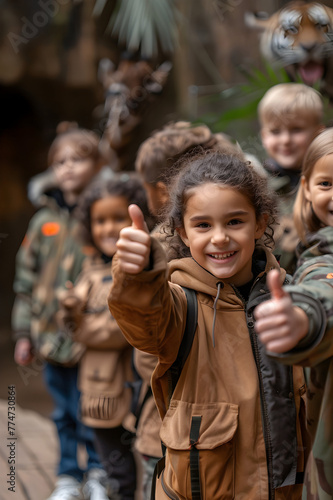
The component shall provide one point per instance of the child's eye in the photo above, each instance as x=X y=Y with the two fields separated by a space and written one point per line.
x=203 y=225
x=234 y=222
x=98 y=221
x=326 y=184
x=275 y=131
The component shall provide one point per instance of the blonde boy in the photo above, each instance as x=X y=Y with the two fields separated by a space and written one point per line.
x=290 y=116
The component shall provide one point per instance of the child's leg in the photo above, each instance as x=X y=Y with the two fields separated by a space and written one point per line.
x=62 y=385
x=86 y=436
x=115 y=450
x=148 y=465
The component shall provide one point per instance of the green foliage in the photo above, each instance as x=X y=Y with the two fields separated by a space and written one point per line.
x=240 y=101
x=148 y=26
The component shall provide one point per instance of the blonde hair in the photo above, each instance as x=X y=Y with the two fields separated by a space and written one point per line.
x=305 y=219
x=159 y=153
x=285 y=101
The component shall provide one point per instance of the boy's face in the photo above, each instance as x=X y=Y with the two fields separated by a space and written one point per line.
x=73 y=172
x=157 y=196
x=286 y=141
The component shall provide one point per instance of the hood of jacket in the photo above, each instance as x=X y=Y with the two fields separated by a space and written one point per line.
x=319 y=243
x=188 y=273
x=43 y=187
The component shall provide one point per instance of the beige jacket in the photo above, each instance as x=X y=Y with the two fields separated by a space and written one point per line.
x=105 y=367
x=148 y=441
x=250 y=441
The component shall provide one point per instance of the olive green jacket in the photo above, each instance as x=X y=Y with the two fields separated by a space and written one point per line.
x=50 y=255
x=314 y=275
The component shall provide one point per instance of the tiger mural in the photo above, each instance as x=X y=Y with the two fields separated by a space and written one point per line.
x=299 y=37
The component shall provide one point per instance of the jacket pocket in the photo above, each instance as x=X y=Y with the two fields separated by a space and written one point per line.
x=200 y=449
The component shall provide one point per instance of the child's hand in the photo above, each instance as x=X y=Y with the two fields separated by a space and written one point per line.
x=133 y=245
x=280 y=325
x=70 y=310
x=23 y=354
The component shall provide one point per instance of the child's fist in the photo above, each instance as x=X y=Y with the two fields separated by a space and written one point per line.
x=280 y=325
x=133 y=245
x=71 y=306
x=23 y=352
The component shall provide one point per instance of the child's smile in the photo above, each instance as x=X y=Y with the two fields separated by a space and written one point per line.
x=220 y=228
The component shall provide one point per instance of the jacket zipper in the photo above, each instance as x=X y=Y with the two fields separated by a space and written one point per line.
x=267 y=435
x=166 y=490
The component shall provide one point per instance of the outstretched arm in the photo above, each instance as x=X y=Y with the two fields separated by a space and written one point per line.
x=280 y=324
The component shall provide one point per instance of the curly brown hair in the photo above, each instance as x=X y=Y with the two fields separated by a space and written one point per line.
x=157 y=154
x=214 y=167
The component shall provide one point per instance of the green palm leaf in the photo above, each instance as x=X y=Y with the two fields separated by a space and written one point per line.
x=143 y=25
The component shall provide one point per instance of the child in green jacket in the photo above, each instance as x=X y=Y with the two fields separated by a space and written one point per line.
x=50 y=255
x=313 y=215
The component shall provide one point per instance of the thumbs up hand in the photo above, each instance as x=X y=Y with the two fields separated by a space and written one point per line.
x=280 y=325
x=133 y=245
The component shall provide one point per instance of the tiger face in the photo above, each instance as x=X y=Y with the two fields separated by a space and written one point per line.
x=298 y=37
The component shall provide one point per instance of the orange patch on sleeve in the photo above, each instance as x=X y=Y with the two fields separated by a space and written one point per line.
x=50 y=228
x=330 y=276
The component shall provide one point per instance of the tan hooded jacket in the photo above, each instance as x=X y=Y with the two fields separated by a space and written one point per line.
x=106 y=365
x=147 y=440
x=249 y=442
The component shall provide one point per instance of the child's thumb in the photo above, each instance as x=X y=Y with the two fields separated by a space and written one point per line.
x=138 y=220
x=274 y=285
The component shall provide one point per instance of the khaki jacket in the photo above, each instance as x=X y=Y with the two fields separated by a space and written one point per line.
x=250 y=439
x=148 y=441
x=105 y=367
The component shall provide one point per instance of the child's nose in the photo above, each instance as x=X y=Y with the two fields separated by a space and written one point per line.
x=110 y=227
x=220 y=237
x=285 y=136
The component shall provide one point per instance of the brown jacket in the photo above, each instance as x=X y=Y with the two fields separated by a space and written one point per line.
x=148 y=441
x=250 y=442
x=105 y=367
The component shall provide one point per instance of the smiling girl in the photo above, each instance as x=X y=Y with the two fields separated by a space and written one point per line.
x=106 y=366
x=231 y=427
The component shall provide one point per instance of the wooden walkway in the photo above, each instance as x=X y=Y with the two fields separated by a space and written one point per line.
x=32 y=452
x=28 y=458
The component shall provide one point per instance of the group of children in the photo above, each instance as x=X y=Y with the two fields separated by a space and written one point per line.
x=249 y=417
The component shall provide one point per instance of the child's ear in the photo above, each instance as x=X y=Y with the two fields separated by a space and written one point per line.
x=163 y=193
x=261 y=226
x=306 y=191
x=263 y=136
x=182 y=233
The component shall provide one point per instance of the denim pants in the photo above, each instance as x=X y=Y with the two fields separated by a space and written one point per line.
x=61 y=383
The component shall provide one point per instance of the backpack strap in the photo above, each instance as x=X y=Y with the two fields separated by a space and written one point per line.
x=194 y=458
x=187 y=340
x=174 y=373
